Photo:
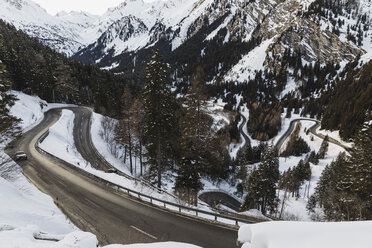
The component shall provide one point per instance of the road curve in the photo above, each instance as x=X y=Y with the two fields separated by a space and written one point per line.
x=213 y=197
x=82 y=139
x=245 y=136
x=312 y=130
x=114 y=218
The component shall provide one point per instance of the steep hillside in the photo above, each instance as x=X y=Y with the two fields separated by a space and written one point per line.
x=38 y=70
x=350 y=101
x=263 y=51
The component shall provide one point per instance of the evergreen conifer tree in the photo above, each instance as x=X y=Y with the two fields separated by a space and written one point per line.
x=137 y=112
x=195 y=127
x=262 y=184
x=323 y=148
x=359 y=167
x=6 y=99
x=159 y=117
x=124 y=130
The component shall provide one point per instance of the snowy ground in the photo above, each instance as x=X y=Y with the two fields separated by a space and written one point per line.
x=306 y=235
x=60 y=143
x=26 y=214
x=334 y=135
x=297 y=207
x=294 y=209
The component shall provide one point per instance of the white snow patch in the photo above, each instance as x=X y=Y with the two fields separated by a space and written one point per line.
x=306 y=235
x=250 y=64
x=155 y=245
x=297 y=207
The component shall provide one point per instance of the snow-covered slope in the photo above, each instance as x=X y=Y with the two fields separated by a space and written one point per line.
x=136 y=24
x=67 y=32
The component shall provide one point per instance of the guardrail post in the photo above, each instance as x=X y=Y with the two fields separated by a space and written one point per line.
x=196 y=212
x=179 y=208
x=151 y=200
x=164 y=205
x=215 y=218
x=236 y=223
x=128 y=192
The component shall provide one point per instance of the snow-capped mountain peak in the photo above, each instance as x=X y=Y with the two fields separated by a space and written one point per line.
x=63 y=32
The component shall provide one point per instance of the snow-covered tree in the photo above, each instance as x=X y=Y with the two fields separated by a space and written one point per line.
x=323 y=148
x=262 y=184
x=360 y=168
x=344 y=190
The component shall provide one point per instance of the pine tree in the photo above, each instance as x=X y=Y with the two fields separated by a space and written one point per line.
x=262 y=184
x=159 y=117
x=6 y=99
x=359 y=168
x=195 y=127
x=296 y=144
x=323 y=148
x=124 y=134
x=137 y=112
x=336 y=195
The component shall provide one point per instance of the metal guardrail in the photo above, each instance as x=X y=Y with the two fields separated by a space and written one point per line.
x=141 y=197
x=141 y=181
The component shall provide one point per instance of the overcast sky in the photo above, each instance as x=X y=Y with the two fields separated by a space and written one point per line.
x=97 y=7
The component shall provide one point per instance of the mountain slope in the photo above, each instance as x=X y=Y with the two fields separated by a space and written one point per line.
x=268 y=51
x=36 y=69
x=64 y=32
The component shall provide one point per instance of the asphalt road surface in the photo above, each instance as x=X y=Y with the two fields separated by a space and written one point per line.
x=93 y=207
x=82 y=139
x=312 y=130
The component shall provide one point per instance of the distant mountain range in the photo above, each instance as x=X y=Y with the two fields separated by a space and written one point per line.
x=135 y=25
x=276 y=49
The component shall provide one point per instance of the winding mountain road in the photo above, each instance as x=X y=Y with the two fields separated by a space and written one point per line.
x=245 y=136
x=214 y=197
x=94 y=207
x=312 y=130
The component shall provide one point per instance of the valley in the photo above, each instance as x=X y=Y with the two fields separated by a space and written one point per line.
x=182 y=120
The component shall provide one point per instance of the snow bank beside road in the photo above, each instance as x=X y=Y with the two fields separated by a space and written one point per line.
x=60 y=141
x=26 y=214
x=31 y=109
x=306 y=235
x=155 y=245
